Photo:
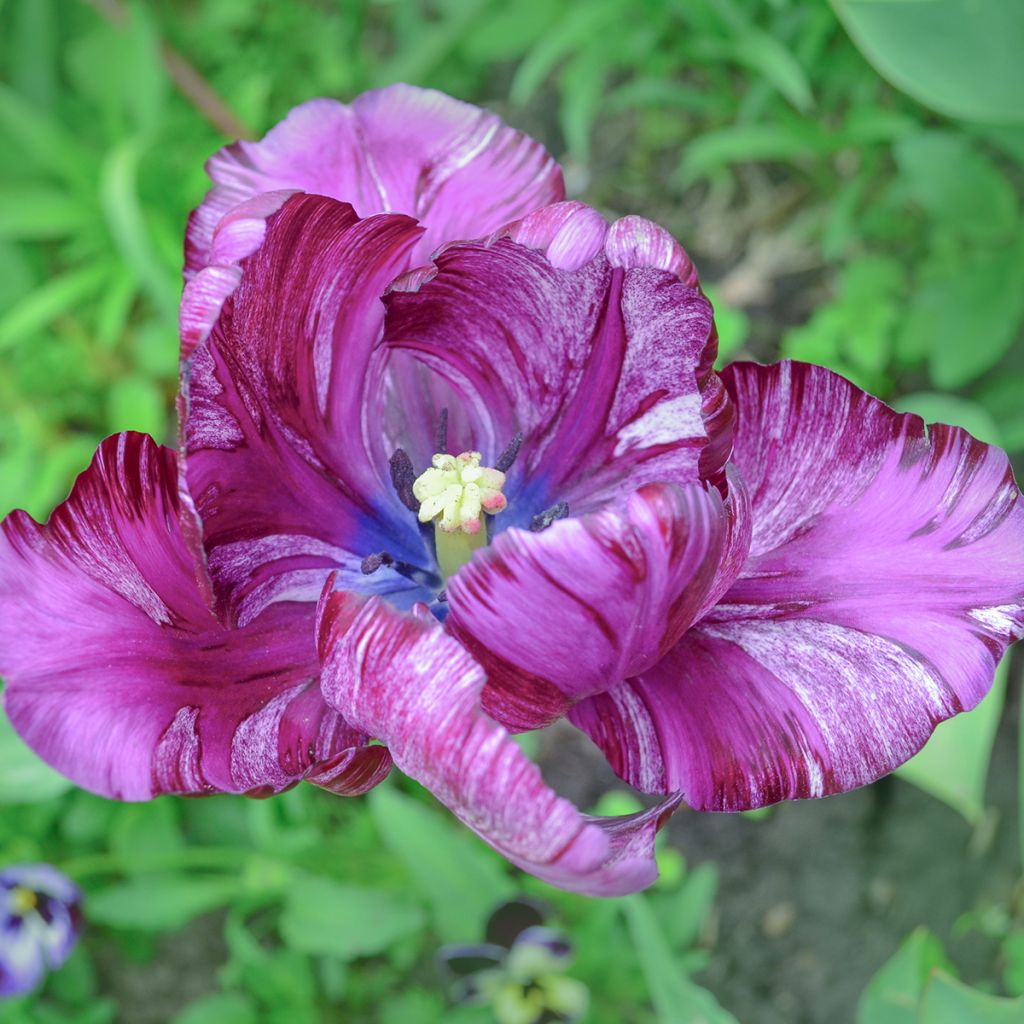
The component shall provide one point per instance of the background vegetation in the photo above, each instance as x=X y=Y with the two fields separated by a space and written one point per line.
x=848 y=179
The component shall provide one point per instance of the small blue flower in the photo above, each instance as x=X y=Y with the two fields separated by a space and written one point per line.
x=40 y=919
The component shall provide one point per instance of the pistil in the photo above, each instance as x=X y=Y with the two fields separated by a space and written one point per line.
x=454 y=494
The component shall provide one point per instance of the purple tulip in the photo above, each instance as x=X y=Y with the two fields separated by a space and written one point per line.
x=514 y=491
x=40 y=918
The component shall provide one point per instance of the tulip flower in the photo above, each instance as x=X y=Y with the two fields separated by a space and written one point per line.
x=434 y=503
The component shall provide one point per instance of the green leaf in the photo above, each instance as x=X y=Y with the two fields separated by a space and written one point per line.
x=765 y=55
x=683 y=912
x=1001 y=399
x=959 y=186
x=964 y=315
x=160 y=903
x=57 y=296
x=580 y=23
x=676 y=999
x=1012 y=951
x=120 y=199
x=43 y=139
x=219 y=1008
x=894 y=994
x=959 y=57
x=462 y=880
x=581 y=88
x=39 y=212
x=947 y=1001
x=24 y=778
x=135 y=403
x=142 y=830
x=327 y=918
x=940 y=407
x=953 y=765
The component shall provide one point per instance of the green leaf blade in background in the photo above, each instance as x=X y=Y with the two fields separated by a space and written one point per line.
x=947 y=1001
x=24 y=777
x=959 y=57
x=953 y=765
x=894 y=994
x=456 y=874
x=160 y=903
x=677 y=1000
x=327 y=918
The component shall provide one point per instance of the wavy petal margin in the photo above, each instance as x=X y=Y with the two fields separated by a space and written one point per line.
x=403 y=680
x=884 y=582
x=119 y=675
x=456 y=168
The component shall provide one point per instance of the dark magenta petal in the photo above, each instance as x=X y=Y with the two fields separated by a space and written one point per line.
x=603 y=365
x=456 y=168
x=276 y=421
x=885 y=579
x=119 y=675
x=558 y=615
x=401 y=678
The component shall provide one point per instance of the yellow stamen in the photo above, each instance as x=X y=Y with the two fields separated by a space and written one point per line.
x=455 y=493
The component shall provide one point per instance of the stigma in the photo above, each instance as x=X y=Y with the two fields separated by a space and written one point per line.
x=456 y=491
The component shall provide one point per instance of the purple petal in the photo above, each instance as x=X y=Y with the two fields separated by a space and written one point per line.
x=238 y=235
x=118 y=674
x=22 y=962
x=456 y=168
x=38 y=937
x=885 y=580
x=605 y=368
x=274 y=431
x=558 y=615
x=402 y=679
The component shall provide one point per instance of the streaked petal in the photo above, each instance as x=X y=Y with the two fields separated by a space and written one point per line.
x=118 y=674
x=603 y=364
x=238 y=235
x=456 y=168
x=885 y=580
x=558 y=615
x=401 y=678
x=274 y=431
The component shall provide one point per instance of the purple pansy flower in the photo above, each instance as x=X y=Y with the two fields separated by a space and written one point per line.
x=519 y=971
x=40 y=918
x=515 y=490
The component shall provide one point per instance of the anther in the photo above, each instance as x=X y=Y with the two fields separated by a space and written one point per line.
x=403 y=476
x=371 y=563
x=381 y=559
x=441 y=440
x=508 y=456
x=544 y=519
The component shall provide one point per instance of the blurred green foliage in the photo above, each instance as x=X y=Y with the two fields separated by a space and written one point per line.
x=791 y=163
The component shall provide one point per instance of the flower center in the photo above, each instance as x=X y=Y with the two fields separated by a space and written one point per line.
x=454 y=494
x=23 y=900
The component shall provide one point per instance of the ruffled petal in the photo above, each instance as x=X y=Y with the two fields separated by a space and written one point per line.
x=275 y=419
x=884 y=582
x=558 y=615
x=454 y=167
x=589 y=344
x=119 y=675
x=402 y=679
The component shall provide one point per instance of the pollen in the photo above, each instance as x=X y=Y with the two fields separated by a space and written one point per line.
x=456 y=491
